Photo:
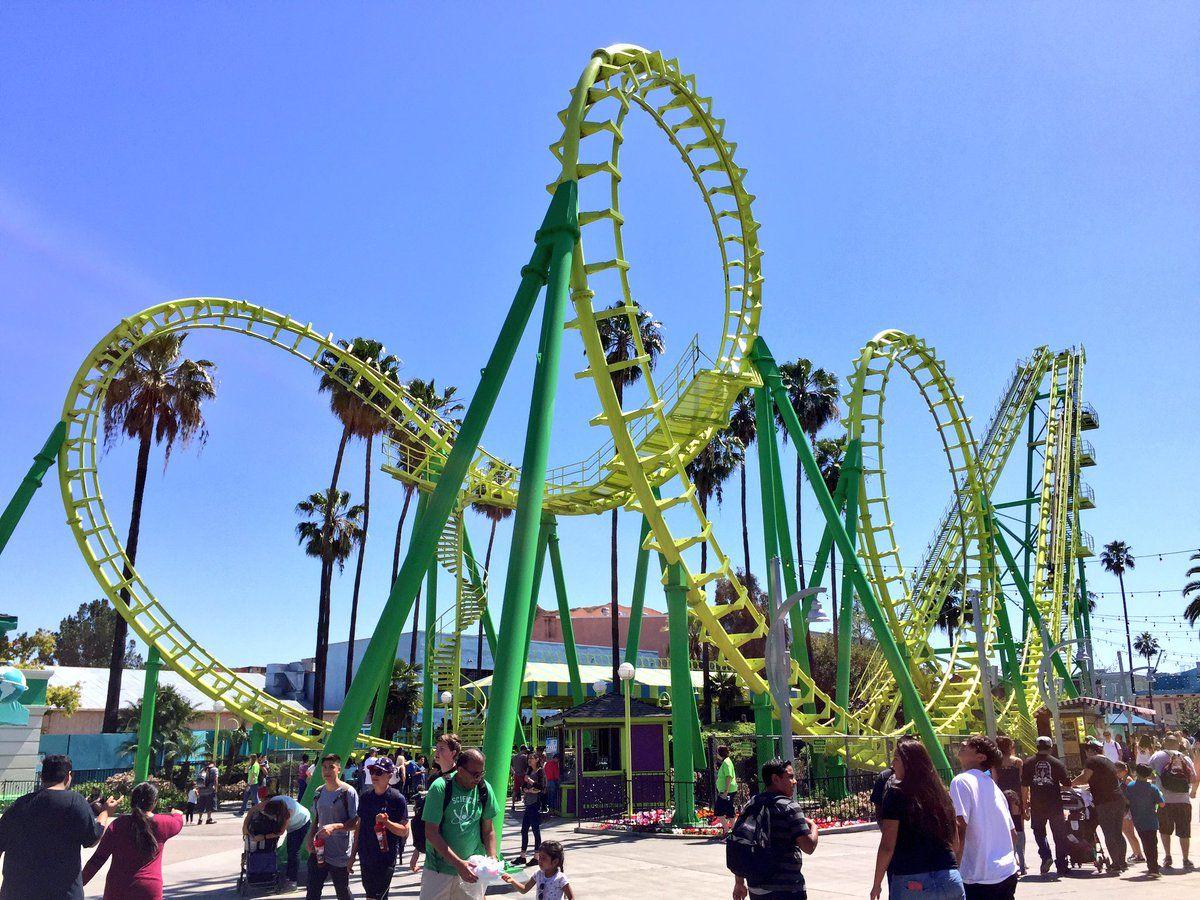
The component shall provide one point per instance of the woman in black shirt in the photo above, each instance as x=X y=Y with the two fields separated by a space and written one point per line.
x=918 y=840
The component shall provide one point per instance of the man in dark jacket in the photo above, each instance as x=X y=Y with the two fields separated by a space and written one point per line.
x=1043 y=777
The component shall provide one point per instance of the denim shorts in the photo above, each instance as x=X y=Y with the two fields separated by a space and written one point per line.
x=944 y=885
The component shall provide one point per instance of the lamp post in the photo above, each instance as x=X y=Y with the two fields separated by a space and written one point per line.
x=985 y=667
x=218 y=708
x=626 y=673
x=447 y=725
x=778 y=661
x=1050 y=686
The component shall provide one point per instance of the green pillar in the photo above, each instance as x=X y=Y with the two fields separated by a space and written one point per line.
x=852 y=476
x=428 y=689
x=560 y=232
x=141 y=763
x=257 y=735
x=539 y=568
x=1029 y=533
x=564 y=616
x=683 y=699
x=634 y=636
x=897 y=662
x=766 y=726
x=381 y=651
x=42 y=461
x=473 y=572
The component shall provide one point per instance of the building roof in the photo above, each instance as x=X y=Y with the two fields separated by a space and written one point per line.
x=93 y=685
x=554 y=680
x=609 y=706
x=602 y=611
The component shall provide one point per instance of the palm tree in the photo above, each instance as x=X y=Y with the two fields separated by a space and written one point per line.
x=171 y=737
x=156 y=398
x=494 y=514
x=953 y=611
x=744 y=427
x=404 y=697
x=1116 y=558
x=329 y=532
x=445 y=404
x=711 y=468
x=1191 y=591
x=813 y=394
x=620 y=345
x=829 y=455
x=351 y=400
x=1147 y=645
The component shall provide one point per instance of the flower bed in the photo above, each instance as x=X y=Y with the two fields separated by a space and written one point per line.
x=658 y=821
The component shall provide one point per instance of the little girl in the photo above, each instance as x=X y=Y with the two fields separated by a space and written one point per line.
x=193 y=798
x=549 y=879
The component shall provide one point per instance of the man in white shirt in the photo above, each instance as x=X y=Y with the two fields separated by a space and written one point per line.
x=1177 y=778
x=1111 y=749
x=987 y=864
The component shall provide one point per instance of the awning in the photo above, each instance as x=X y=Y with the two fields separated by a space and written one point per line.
x=1098 y=707
x=554 y=680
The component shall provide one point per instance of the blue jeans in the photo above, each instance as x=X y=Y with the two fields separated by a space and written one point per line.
x=295 y=840
x=249 y=798
x=552 y=796
x=944 y=885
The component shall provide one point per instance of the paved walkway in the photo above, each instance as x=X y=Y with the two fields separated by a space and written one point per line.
x=203 y=862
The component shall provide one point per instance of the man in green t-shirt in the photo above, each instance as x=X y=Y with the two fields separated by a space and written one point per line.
x=458 y=818
x=723 y=810
x=250 y=795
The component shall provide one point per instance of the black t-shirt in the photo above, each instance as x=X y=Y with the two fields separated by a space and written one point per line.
x=879 y=786
x=41 y=836
x=916 y=849
x=371 y=804
x=1045 y=776
x=1008 y=776
x=1104 y=784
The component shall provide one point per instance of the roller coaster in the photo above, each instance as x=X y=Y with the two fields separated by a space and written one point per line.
x=1022 y=603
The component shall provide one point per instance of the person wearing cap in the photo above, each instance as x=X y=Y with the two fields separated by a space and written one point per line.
x=1043 y=777
x=383 y=824
x=1100 y=775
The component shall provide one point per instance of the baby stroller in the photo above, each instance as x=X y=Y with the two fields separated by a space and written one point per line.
x=260 y=869
x=1082 y=841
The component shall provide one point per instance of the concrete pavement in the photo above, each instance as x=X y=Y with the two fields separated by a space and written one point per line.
x=203 y=862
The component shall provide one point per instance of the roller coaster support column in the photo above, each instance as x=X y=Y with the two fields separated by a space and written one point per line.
x=473 y=571
x=851 y=475
x=559 y=234
x=1086 y=617
x=42 y=461
x=683 y=700
x=637 y=604
x=913 y=706
x=539 y=567
x=428 y=691
x=141 y=763
x=381 y=651
x=564 y=617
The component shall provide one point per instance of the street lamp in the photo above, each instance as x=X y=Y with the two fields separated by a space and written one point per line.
x=1050 y=686
x=447 y=725
x=778 y=659
x=600 y=686
x=626 y=673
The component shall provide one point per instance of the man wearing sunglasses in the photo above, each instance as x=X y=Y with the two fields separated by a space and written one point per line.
x=458 y=818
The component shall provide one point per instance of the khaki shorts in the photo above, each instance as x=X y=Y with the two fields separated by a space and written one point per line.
x=436 y=886
x=1176 y=818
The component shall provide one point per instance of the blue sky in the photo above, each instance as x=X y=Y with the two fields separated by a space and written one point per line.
x=992 y=177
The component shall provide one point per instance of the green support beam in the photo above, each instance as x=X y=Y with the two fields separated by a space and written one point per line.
x=428 y=692
x=489 y=632
x=42 y=461
x=559 y=233
x=683 y=700
x=637 y=604
x=381 y=650
x=141 y=763
x=913 y=705
x=564 y=616
x=852 y=476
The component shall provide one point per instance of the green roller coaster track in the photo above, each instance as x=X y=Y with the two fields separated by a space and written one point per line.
x=909 y=685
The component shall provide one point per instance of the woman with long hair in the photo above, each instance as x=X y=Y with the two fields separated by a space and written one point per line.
x=135 y=844
x=918 y=840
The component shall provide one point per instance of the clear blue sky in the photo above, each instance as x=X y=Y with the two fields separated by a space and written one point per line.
x=992 y=177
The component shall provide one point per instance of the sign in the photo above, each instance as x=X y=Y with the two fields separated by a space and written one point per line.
x=552 y=746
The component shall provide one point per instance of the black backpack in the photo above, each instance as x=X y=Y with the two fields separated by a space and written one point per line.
x=748 y=850
x=417 y=823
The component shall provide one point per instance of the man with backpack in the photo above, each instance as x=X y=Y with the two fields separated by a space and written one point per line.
x=207 y=785
x=457 y=817
x=764 y=848
x=1177 y=776
x=331 y=838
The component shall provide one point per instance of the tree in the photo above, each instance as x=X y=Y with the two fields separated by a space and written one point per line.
x=64 y=698
x=743 y=426
x=444 y=404
x=830 y=453
x=813 y=395
x=86 y=638
x=494 y=514
x=28 y=651
x=329 y=532
x=1147 y=645
x=404 y=697
x=171 y=736
x=622 y=343
x=1191 y=591
x=708 y=472
x=353 y=400
x=1189 y=716
x=156 y=397
x=1116 y=558
x=728 y=694
x=953 y=611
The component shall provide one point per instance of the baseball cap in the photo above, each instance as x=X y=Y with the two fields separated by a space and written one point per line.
x=1092 y=742
x=1044 y=741
x=382 y=766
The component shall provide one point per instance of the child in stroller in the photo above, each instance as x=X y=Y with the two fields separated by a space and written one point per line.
x=1083 y=843
x=261 y=829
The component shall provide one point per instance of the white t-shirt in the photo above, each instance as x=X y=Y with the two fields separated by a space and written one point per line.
x=298 y=816
x=987 y=856
x=550 y=887
x=1112 y=751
